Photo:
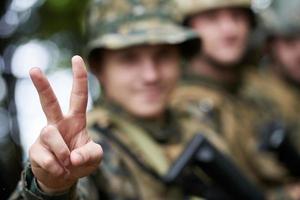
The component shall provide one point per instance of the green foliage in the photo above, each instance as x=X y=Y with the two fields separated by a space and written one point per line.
x=61 y=15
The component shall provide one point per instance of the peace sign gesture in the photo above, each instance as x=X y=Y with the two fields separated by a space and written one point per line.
x=63 y=152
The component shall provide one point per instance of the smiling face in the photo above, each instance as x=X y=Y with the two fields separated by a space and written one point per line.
x=224 y=33
x=286 y=54
x=140 y=79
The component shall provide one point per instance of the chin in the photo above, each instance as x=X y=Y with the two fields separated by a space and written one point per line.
x=229 y=60
x=230 y=55
x=149 y=112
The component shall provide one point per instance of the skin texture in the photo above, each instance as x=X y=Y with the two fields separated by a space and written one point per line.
x=224 y=34
x=140 y=79
x=63 y=152
x=286 y=54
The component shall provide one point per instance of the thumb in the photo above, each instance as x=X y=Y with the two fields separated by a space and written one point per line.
x=90 y=153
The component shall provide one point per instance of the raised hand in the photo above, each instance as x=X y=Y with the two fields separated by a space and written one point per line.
x=63 y=152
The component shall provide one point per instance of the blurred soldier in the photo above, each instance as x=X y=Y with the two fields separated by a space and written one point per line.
x=211 y=88
x=225 y=26
x=278 y=80
x=10 y=152
x=134 y=51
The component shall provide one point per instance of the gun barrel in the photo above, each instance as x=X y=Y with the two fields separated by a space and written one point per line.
x=201 y=153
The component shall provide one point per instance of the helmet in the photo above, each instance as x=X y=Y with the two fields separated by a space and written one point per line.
x=191 y=7
x=115 y=24
x=281 y=18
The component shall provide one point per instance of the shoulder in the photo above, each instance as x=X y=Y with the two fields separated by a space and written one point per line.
x=191 y=92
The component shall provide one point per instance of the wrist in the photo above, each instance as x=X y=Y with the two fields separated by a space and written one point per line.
x=50 y=190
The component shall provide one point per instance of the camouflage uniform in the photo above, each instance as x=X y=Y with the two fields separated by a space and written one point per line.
x=223 y=107
x=264 y=84
x=265 y=88
x=119 y=176
x=236 y=119
x=113 y=25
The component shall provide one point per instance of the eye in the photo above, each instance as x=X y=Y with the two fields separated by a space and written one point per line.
x=128 y=57
x=166 y=53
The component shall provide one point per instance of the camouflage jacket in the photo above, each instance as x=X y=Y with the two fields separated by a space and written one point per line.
x=264 y=87
x=239 y=121
x=119 y=176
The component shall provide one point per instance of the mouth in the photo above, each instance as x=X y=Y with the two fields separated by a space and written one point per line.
x=151 y=94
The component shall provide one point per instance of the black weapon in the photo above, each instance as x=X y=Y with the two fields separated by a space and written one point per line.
x=217 y=166
x=228 y=182
x=275 y=138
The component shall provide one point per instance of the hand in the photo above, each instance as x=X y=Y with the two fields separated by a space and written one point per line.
x=63 y=152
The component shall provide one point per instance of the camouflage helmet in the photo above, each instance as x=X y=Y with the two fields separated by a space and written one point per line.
x=281 y=18
x=191 y=7
x=117 y=24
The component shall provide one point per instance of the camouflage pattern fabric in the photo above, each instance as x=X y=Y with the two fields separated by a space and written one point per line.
x=119 y=177
x=115 y=24
x=237 y=118
x=264 y=87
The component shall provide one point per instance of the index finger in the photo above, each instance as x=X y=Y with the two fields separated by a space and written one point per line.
x=79 y=94
x=48 y=99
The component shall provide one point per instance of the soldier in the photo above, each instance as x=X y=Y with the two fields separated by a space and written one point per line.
x=277 y=81
x=225 y=26
x=134 y=51
x=211 y=89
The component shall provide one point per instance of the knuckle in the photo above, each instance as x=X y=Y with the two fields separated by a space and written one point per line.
x=82 y=76
x=57 y=172
x=46 y=133
x=48 y=162
x=63 y=153
x=44 y=90
x=51 y=102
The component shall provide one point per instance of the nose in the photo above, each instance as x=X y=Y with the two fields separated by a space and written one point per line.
x=149 y=70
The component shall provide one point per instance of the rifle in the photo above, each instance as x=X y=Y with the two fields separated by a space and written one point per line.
x=201 y=153
x=275 y=138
